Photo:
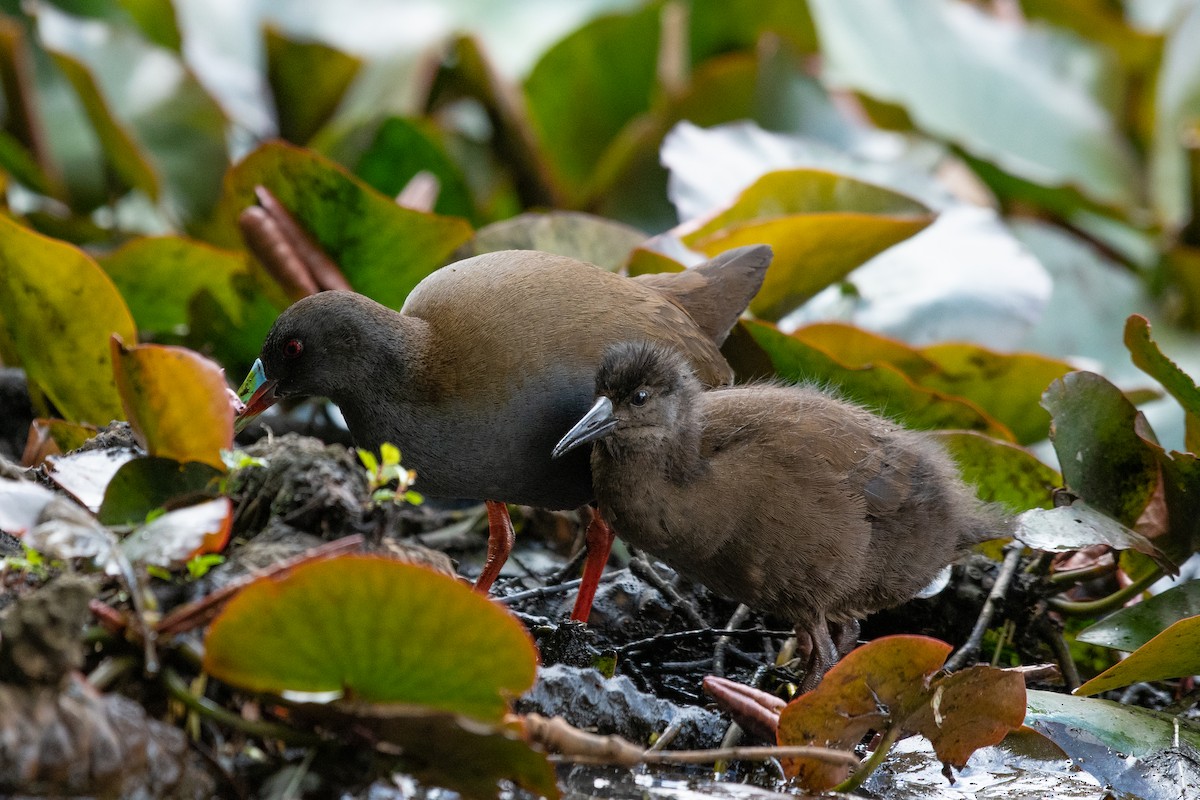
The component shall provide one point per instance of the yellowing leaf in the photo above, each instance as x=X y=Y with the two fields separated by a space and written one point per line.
x=58 y=310
x=375 y=630
x=1174 y=653
x=177 y=401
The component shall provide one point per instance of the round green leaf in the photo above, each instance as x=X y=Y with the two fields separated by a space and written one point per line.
x=1103 y=458
x=376 y=630
x=307 y=81
x=382 y=249
x=58 y=310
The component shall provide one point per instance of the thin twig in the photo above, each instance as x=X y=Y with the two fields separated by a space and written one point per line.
x=178 y=689
x=739 y=616
x=641 y=567
x=1062 y=653
x=678 y=636
x=1012 y=558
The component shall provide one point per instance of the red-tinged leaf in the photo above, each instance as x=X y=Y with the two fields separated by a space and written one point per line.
x=176 y=537
x=20 y=504
x=876 y=684
x=177 y=401
x=376 y=630
x=974 y=708
x=58 y=310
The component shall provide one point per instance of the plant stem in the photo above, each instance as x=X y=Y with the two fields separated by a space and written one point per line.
x=1084 y=608
x=872 y=762
x=178 y=689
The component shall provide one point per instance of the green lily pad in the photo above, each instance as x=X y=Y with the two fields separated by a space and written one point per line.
x=1150 y=359
x=144 y=485
x=1129 y=730
x=1131 y=627
x=580 y=97
x=1001 y=472
x=382 y=249
x=882 y=387
x=1103 y=458
x=177 y=401
x=1074 y=527
x=1174 y=653
x=375 y=630
x=186 y=291
x=403 y=147
x=58 y=309
x=120 y=148
x=307 y=81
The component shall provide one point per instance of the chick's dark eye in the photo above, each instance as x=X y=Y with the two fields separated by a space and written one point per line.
x=639 y=397
x=293 y=348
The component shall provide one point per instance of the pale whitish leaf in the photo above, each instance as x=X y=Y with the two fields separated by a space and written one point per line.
x=175 y=537
x=20 y=504
x=983 y=83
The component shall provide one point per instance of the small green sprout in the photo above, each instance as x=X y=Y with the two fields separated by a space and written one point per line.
x=385 y=470
x=237 y=459
x=198 y=566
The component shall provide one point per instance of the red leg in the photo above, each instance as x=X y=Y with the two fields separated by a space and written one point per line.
x=500 y=544
x=599 y=537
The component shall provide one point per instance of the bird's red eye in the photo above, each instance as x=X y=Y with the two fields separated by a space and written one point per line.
x=293 y=348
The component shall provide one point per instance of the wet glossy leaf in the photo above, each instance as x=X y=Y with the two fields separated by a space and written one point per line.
x=882 y=681
x=148 y=484
x=1103 y=459
x=177 y=401
x=1133 y=626
x=204 y=296
x=170 y=540
x=983 y=84
x=1174 y=653
x=403 y=147
x=363 y=627
x=120 y=149
x=882 y=387
x=462 y=754
x=86 y=475
x=973 y=708
x=20 y=504
x=1151 y=360
x=1073 y=527
x=1001 y=472
x=382 y=249
x=592 y=239
x=1127 y=729
x=59 y=309
x=576 y=134
x=889 y=682
x=820 y=224
x=307 y=80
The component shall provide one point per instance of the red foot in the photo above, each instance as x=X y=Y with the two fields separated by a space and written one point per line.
x=599 y=543
x=500 y=544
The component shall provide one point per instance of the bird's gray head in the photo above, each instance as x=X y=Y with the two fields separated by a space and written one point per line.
x=324 y=345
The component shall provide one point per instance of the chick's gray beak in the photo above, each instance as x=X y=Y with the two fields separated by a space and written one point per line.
x=597 y=422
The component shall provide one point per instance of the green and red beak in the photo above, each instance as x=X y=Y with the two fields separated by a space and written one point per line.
x=256 y=393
